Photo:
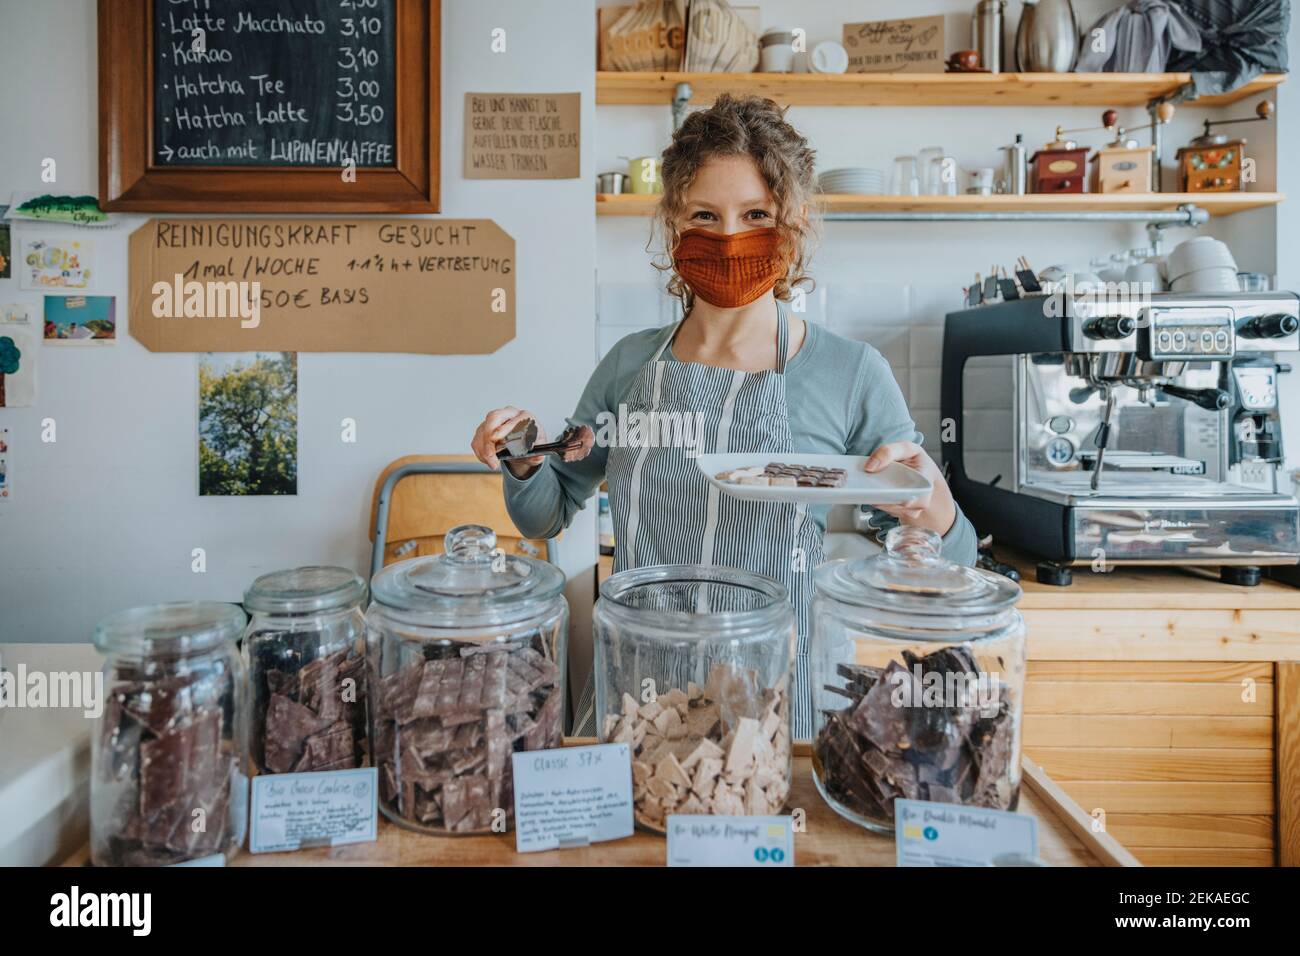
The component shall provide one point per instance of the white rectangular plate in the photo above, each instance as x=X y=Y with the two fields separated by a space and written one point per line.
x=893 y=485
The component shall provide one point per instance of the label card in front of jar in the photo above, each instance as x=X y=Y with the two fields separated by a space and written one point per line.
x=948 y=834
x=292 y=811
x=572 y=796
x=698 y=840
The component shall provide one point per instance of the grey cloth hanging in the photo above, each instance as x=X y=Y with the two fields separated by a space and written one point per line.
x=1240 y=39
x=1138 y=38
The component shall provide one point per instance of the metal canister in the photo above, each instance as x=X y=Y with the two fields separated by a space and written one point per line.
x=1015 y=171
x=986 y=33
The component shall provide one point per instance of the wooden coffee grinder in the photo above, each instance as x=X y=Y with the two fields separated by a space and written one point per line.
x=1059 y=167
x=1213 y=163
x=1122 y=166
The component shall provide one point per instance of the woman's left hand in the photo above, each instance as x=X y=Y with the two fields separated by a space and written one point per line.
x=936 y=510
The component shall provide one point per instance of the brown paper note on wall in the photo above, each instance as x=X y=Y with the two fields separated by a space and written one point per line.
x=435 y=286
x=895 y=46
x=523 y=135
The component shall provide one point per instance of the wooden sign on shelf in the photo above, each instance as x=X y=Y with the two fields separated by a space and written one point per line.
x=269 y=105
x=914 y=45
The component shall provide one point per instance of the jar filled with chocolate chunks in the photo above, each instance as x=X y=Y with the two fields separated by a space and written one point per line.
x=466 y=655
x=305 y=654
x=918 y=673
x=167 y=782
x=693 y=674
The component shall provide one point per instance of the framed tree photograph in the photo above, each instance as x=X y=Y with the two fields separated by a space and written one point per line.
x=269 y=105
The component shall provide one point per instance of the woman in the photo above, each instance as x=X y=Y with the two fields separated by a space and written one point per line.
x=738 y=184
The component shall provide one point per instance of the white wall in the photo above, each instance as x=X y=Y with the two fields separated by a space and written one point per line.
x=107 y=516
x=892 y=283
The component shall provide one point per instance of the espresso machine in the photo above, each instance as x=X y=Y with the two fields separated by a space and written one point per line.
x=1101 y=430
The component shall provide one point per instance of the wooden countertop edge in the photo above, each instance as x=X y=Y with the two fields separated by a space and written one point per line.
x=1074 y=822
x=1105 y=846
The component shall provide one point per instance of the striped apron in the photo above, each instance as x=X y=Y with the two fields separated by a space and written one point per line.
x=667 y=512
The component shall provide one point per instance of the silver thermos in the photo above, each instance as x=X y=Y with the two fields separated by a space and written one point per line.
x=1047 y=40
x=1015 y=172
x=986 y=33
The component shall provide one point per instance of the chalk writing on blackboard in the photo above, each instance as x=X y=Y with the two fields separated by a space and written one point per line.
x=275 y=83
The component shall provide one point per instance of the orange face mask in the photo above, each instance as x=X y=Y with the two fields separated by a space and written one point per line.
x=729 y=271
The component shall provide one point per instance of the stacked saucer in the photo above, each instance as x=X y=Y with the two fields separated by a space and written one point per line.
x=852 y=179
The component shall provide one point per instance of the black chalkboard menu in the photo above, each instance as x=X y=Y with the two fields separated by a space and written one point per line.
x=284 y=83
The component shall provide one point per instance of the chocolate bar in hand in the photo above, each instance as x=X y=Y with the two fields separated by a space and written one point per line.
x=882 y=746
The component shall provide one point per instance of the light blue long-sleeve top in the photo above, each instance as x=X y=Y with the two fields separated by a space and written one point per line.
x=842 y=399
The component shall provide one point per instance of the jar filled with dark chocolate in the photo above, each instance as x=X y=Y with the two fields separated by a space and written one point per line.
x=305 y=654
x=918 y=675
x=167 y=782
x=693 y=674
x=466 y=664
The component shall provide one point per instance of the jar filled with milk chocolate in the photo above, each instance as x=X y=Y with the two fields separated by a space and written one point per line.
x=918 y=674
x=466 y=663
x=693 y=673
x=304 y=651
x=167 y=782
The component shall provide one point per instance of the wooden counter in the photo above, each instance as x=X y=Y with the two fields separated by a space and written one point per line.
x=1065 y=838
x=1168 y=704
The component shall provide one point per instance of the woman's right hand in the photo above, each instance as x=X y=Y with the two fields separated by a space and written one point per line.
x=496 y=425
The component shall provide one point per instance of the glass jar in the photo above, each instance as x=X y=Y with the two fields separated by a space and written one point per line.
x=167 y=758
x=466 y=656
x=305 y=655
x=693 y=673
x=918 y=674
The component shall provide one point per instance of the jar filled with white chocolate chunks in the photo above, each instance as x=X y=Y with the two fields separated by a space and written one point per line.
x=918 y=674
x=465 y=666
x=167 y=782
x=693 y=673
x=304 y=651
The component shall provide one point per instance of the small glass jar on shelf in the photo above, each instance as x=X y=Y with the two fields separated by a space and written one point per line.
x=167 y=756
x=693 y=673
x=466 y=662
x=304 y=651
x=918 y=672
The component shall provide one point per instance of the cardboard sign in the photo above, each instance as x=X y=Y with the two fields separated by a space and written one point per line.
x=895 y=46
x=435 y=286
x=730 y=841
x=523 y=135
x=947 y=834
x=321 y=808
x=572 y=796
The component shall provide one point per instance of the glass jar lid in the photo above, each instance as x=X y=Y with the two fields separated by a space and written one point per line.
x=912 y=575
x=310 y=590
x=473 y=583
x=185 y=627
x=697 y=602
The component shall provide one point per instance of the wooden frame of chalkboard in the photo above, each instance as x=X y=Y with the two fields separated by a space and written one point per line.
x=131 y=179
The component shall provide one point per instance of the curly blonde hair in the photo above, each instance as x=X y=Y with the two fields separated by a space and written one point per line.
x=743 y=126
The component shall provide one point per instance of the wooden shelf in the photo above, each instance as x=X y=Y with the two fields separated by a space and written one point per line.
x=1217 y=204
x=917 y=89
